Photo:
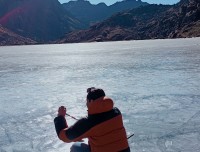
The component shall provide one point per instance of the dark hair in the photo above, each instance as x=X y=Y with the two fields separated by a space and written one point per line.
x=94 y=93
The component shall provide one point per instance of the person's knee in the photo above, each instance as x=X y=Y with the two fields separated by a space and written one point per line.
x=75 y=147
x=79 y=147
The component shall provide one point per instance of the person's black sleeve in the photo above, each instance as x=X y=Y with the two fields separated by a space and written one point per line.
x=60 y=124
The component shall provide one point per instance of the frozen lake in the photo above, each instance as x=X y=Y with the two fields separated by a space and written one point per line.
x=156 y=84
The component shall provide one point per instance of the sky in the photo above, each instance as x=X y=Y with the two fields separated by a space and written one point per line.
x=110 y=2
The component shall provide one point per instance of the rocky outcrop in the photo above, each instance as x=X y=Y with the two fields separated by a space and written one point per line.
x=148 y=22
x=9 y=38
x=188 y=19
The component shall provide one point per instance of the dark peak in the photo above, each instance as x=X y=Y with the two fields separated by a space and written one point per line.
x=82 y=1
x=184 y=1
x=102 y=4
x=132 y=0
x=79 y=2
x=129 y=0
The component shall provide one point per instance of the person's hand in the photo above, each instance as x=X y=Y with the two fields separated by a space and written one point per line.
x=62 y=111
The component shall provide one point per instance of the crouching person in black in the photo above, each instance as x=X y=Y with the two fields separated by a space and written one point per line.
x=103 y=126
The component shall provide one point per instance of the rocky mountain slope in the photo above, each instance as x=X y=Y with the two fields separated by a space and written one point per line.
x=9 y=38
x=89 y=14
x=40 y=20
x=148 y=22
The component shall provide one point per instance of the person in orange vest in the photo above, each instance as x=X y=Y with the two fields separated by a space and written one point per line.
x=103 y=126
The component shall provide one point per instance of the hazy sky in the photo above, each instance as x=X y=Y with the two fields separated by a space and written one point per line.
x=109 y=2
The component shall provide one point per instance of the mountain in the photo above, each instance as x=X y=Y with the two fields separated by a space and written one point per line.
x=9 y=38
x=40 y=20
x=125 y=5
x=89 y=14
x=147 y=22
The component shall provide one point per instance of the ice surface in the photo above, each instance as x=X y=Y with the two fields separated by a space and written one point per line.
x=154 y=83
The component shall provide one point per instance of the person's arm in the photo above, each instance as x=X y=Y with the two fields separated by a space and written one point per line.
x=74 y=133
x=60 y=121
x=60 y=124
